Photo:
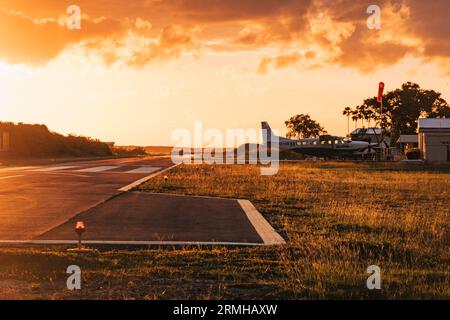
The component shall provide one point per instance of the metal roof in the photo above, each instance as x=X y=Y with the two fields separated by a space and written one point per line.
x=434 y=123
x=367 y=131
x=408 y=138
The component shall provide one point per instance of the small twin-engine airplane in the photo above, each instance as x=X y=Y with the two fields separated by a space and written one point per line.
x=325 y=146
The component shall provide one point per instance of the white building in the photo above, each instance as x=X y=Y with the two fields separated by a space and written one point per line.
x=371 y=135
x=408 y=141
x=434 y=139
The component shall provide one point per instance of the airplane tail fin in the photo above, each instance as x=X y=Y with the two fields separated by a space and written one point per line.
x=267 y=132
x=265 y=126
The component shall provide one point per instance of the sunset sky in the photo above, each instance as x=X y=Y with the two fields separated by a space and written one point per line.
x=139 y=69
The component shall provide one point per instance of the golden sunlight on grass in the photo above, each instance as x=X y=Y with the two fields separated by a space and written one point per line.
x=337 y=218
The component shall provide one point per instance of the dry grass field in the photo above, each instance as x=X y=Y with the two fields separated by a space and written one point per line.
x=337 y=218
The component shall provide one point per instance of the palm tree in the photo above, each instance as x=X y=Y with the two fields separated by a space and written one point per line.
x=355 y=117
x=360 y=114
x=347 y=112
x=369 y=116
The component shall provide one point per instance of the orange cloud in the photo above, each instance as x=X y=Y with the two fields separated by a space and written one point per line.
x=27 y=40
x=339 y=32
x=138 y=50
x=142 y=31
x=286 y=60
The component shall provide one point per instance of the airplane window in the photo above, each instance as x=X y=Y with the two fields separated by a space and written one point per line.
x=315 y=142
x=329 y=142
x=336 y=141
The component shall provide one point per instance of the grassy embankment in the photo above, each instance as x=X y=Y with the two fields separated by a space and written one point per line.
x=34 y=144
x=34 y=141
x=338 y=218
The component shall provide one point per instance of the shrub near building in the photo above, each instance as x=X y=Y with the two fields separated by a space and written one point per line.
x=413 y=153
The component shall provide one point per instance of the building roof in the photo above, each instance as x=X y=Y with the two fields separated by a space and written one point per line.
x=367 y=131
x=408 y=138
x=434 y=123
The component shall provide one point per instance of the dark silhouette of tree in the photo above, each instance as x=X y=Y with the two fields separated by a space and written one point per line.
x=402 y=108
x=347 y=112
x=302 y=126
x=355 y=117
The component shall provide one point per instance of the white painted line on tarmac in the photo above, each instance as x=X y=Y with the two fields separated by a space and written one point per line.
x=68 y=174
x=141 y=181
x=145 y=169
x=8 y=177
x=264 y=229
x=133 y=243
x=48 y=169
x=98 y=169
x=188 y=196
x=18 y=168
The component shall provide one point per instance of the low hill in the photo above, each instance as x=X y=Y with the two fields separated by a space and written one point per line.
x=33 y=141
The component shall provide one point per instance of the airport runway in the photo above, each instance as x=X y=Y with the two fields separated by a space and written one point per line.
x=142 y=216
x=34 y=200
x=41 y=204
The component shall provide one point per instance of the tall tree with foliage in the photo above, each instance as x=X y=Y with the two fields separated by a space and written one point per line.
x=402 y=108
x=302 y=126
x=347 y=112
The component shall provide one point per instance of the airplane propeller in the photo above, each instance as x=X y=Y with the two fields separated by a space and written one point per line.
x=370 y=146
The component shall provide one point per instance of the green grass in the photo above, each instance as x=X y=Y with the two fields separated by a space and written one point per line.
x=337 y=218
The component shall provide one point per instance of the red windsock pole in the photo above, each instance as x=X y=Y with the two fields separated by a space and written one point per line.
x=380 y=92
x=380 y=98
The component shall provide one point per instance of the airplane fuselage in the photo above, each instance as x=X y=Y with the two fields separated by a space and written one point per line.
x=325 y=147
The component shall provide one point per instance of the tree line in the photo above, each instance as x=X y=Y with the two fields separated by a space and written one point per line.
x=401 y=110
x=28 y=141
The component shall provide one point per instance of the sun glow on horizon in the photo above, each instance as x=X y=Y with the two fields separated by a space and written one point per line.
x=134 y=83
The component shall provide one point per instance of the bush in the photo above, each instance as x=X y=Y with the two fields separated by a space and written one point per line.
x=413 y=154
x=28 y=141
x=131 y=151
